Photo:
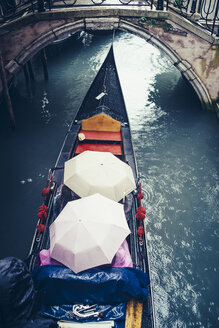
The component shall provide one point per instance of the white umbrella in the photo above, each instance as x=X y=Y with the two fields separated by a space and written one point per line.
x=88 y=232
x=99 y=172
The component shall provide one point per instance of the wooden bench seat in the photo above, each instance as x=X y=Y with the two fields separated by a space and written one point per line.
x=102 y=135
x=114 y=149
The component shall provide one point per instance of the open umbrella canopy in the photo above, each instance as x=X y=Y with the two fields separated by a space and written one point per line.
x=88 y=232
x=99 y=172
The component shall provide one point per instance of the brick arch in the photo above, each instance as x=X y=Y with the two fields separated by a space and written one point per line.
x=51 y=34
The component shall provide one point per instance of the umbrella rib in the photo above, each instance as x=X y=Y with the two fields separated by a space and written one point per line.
x=97 y=243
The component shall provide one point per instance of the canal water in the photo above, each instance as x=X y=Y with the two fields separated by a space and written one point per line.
x=176 y=144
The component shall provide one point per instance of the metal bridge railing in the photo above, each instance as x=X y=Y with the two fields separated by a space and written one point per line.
x=205 y=13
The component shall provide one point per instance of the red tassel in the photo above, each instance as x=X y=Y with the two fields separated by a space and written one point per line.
x=141 y=209
x=45 y=192
x=140 y=231
x=40 y=227
x=140 y=216
x=42 y=215
x=140 y=195
x=43 y=208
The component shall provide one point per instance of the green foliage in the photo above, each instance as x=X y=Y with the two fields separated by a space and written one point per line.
x=143 y=19
x=179 y=3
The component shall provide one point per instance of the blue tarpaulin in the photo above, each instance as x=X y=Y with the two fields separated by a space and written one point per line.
x=109 y=288
x=105 y=285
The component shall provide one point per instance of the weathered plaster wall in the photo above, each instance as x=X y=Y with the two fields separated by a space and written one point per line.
x=200 y=54
x=13 y=42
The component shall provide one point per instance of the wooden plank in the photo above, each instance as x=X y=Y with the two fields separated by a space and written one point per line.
x=45 y=64
x=102 y=135
x=134 y=311
x=114 y=149
x=101 y=122
x=6 y=91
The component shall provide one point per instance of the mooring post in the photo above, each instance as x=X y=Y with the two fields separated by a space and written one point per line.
x=31 y=72
x=6 y=92
x=45 y=65
x=41 y=6
x=159 y=5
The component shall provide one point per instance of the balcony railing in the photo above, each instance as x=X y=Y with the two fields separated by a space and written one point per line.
x=205 y=13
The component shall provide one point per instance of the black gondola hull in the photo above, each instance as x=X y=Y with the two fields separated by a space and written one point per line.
x=104 y=96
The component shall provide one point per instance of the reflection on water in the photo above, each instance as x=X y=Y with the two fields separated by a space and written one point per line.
x=176 y=145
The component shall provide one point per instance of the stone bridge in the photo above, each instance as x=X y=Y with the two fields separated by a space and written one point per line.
x=192 y=49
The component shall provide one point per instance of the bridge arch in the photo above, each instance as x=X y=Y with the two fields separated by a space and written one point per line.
x=109 y=23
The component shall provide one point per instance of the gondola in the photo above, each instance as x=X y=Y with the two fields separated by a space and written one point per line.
x=103 y=103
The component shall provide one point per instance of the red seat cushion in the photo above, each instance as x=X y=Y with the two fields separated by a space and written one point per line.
x=114 y=149
x=102 y=135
